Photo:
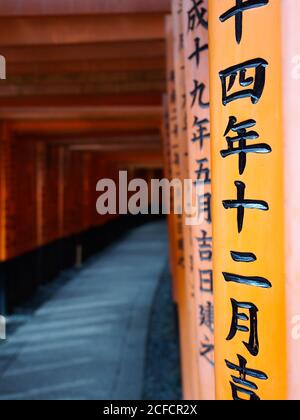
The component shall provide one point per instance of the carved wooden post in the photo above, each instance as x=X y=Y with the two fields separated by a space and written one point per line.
x=247 y=179
x=195 y=30
x=179 y=230
x=40 y=190
x=182 y=114
x=167 y=148
x=61 y=191
x=7 y=232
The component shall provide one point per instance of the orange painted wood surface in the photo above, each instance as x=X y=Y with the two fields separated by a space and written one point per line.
x=198 y=125
x=249 y=288
x=181 y=100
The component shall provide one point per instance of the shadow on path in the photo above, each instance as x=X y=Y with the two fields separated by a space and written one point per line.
x=162 y=378
x=86 y=338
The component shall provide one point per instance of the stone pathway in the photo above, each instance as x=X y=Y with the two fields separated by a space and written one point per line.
x=86 y=338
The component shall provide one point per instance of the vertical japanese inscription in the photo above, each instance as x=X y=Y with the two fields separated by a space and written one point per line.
x=246 y=131
x=182 y=114
x=174 y=158
x=195 y=18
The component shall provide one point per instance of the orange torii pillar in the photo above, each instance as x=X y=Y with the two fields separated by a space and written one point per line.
x=248 y=198
x=6 y=150
x=7 y=233
x=168 y=175
x=40 y=189
x=195 y=30
x=61 y=190
x=180 y=286
x=182 y=116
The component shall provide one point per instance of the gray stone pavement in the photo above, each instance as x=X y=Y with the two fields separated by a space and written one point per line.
x=87 y=339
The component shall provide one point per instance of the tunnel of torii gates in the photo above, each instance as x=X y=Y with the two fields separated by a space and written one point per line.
x=97 y=86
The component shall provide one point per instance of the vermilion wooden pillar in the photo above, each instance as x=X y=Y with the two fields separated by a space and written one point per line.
x=180 y=285
x=167 y=148
x=6 y=228
x=87 y=188
x=181 y=102
x=248 y=202
x=40 y=190
x=3 y=190
x=61 y=190
x=195 y=30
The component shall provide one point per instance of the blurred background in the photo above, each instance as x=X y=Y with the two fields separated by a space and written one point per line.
x=82 y=100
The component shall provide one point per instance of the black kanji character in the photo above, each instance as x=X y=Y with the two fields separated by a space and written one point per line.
x=207 y=350
x=204 y=206
x=205 y=247
x=241 y=383
x=202 y=131
x=197 y=94
x=237 y=12
x=253 y=343
x=207 y=316
x=241 y=138
x=243 y=257
x=254 y=281
x=228 y=78
x=206 y=281
x=198 y=50
x=196 y=16
x=241 y=204
x=203 y=173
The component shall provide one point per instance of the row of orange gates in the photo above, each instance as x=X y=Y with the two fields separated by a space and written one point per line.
x=232 y=121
